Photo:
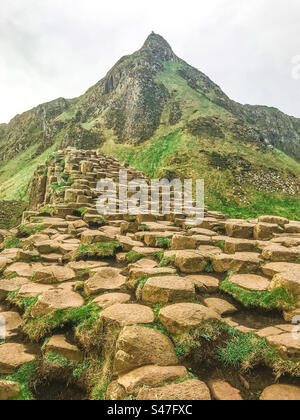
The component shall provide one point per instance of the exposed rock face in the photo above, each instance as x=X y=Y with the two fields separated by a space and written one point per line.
x=29 y=128
x=56 y=299
x=38 y=188
x=58 y=344
x=12 y=356
x=147 y=376
x=281 y=393
x=183 y=317
x=133 y=346
x=222 y=391
x=125 y=314
x=8 y=389
x=189 y=390
x=276 y=127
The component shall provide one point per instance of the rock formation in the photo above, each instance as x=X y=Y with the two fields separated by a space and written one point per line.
x=144 y=307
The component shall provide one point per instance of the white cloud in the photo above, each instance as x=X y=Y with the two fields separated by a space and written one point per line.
x=55 y=48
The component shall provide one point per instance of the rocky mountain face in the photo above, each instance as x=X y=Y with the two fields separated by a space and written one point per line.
x=148 y=96
x=279 y=129
x=130 y=101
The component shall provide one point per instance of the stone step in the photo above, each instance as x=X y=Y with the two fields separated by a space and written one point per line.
x=281 y=392
x=12 y=357
x=8 y=389
x=110 y=299
x=12 y=322
x=168 y=289
x=241 y=262
x=132 y=349
x=279 y=253
x=58 y=344
x=223 y=391
x=54 y=300
x=127 y=314
x=250 y=282
x=183 y=317
x=11 y=285
x=106 y=279
x=149 y=376
x=188 y=390
x=242 y=229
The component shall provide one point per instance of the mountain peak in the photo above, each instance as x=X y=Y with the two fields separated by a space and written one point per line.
x=157 y=46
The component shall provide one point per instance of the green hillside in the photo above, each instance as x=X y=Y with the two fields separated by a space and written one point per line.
x=167 y=119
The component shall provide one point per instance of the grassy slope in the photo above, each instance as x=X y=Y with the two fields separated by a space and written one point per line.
x=181 y=153
x=16 y=174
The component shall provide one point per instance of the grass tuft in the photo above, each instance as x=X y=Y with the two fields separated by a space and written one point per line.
x=133 y=257
x=12 y=242
x=163 y=242
x=279 y=299
x=28 y=230
x=99 y=249
x=38 y=328
x=23 y=376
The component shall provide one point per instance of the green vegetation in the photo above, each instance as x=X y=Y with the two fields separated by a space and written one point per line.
x=163 y=242
x=187 y=342
x=97 y=221
x=57 y=359
x=26 y=304
x=47 y=210
x=157 y=308
x=16 y=174
x=78 y=368
x=90 y=332
x=245 y=350
x=191 y=100
x=98 y=249
x=82 y=211
x=101 y=373
x=209 y=268
x=277 y=204
x=38 y=328
x=67 y=180
x=158 y=256
x=58 y=186
x=276 y=299
x=11 y=213
x=133 y=257
x=150 y=156
x=139 y=285
x=23 y=376
x=143 y=228
x=219 y=244
x=30 y=229
x=242 y=349
x=167 y=262
x=81 y=368
x=12 y=242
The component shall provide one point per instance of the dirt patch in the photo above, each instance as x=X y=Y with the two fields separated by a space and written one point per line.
x=257 y=319
x=59 y=391
x=250 y=383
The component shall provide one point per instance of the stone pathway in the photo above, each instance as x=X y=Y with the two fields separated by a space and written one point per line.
x=154 y=279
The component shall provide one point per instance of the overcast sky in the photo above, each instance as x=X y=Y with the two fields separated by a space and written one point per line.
x=53 y=48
